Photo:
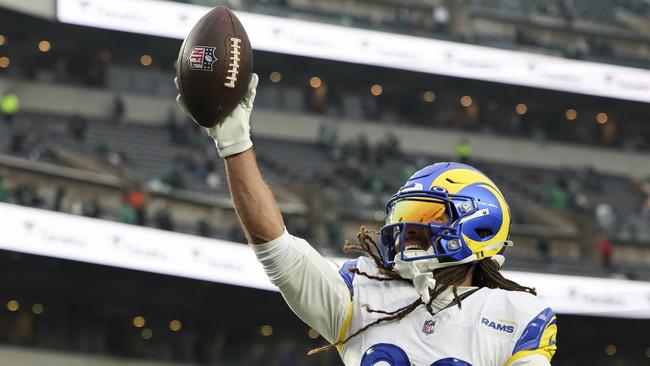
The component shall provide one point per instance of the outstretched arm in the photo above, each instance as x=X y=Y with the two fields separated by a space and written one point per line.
x=310 y=284
x=256 y=208
x=254 y=202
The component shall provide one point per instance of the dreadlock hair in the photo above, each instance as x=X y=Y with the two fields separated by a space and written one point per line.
x=485 y=273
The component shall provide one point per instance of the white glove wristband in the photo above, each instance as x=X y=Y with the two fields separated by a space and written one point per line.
x=232 y=136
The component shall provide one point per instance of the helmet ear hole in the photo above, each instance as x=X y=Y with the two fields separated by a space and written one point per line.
x=484 y=233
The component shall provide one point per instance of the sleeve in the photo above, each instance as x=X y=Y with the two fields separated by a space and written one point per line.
x=310 y=284
x=537 y=344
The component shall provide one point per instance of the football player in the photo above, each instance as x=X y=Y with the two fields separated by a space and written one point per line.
x=429 y=293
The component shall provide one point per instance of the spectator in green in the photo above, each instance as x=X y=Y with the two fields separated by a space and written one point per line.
x=463 y=151
x=57 y=200
x=204 y=228
x=126 y=213
x=4 y=192
x=392 y=145
x=376 y=184
x=327 y=134
x=101 y=148
x=334 y=230
x=322 y=134
x=173 y=176
x=9 y=105
x=557 y=198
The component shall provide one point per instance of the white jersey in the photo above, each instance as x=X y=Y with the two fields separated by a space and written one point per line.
x=493 y=327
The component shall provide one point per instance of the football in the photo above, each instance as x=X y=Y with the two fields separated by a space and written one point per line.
x=214 y=67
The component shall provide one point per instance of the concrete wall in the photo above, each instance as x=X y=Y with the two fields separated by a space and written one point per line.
x=91 y=102
x=269 y=123
x=38 y=8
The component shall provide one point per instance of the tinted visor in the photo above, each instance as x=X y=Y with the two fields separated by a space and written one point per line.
x=421 y=210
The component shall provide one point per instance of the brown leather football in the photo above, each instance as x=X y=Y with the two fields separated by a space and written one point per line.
x=214 y=66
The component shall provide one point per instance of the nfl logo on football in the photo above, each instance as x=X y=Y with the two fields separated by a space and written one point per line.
x=201 y=58
x=428 y=327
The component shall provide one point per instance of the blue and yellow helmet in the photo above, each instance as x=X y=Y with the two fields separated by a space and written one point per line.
x=460 y=211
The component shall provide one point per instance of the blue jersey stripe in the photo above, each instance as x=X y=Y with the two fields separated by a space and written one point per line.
x=532 y=335
x=348 y=276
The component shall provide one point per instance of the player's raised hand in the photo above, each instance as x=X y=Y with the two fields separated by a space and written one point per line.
x=232 y=136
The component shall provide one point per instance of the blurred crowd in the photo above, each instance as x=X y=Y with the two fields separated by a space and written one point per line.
x=366 y=174
x=360 y=178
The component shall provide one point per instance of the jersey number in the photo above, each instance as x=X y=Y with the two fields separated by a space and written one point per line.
x=385 y=354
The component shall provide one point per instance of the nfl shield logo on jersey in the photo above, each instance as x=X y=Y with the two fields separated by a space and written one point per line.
x=201 y=58
x=428 y=326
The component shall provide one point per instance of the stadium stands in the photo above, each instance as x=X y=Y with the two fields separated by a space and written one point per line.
x=358 y=179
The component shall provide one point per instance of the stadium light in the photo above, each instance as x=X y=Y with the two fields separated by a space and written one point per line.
x=38 y=309
x=466 y=101
x=315 y=82
x=44 y=46
x=313 y=334
x=13 y=305
x=571 y=114
x=146 y=334
x=139 y=322
x=104 y=55
x=610 y=350
x=429 y=96
x=3 y=40
x=275 y=77
x=175 y=325
x=521 y=109
x=376 y=90
x=146 y=60
x=266 y=330
x=4 y=62
x=602 y=118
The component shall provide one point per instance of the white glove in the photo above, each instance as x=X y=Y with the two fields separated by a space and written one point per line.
x=232 y=136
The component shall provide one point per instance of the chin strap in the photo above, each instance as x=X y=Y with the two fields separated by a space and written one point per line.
x=498 y=259
x=421 y=271
x=423 y=282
